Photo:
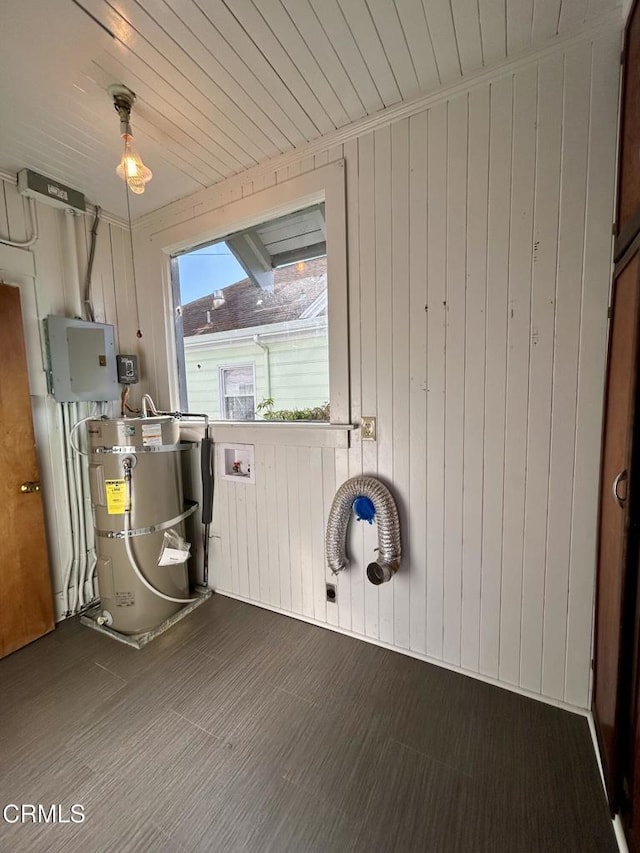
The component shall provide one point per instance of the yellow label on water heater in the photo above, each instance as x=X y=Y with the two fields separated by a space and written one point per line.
x=116 y=491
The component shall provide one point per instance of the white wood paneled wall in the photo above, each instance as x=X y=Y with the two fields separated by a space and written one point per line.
x=479 y=243
x=53 y=294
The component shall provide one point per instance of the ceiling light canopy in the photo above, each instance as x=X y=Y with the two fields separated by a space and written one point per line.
x=130 y=168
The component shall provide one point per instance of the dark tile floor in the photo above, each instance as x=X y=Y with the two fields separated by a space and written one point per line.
x=243 y=730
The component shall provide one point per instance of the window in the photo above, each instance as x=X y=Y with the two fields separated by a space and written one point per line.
x=253 y=310
x=259 y=244
x=237 y=392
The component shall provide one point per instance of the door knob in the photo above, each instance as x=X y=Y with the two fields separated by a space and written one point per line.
x=29 y=486
x=618 y=498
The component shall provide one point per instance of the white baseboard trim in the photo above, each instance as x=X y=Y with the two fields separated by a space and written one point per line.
x=617 y=823
x=417 y=655
x=596 y=749
x=622 y=841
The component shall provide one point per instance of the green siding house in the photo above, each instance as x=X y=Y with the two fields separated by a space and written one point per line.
x=244 y=345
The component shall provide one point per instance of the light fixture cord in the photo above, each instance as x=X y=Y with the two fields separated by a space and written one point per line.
x=133 y=260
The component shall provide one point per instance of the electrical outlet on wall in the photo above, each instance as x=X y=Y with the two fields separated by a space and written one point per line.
x=368 y=429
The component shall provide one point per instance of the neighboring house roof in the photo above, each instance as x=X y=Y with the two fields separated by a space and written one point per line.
x=294 y=293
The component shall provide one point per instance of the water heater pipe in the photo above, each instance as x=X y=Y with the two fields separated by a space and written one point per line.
x=147 y=403
x=127 y=542
x=206 y=470
x=72 y=432
x=206 y=473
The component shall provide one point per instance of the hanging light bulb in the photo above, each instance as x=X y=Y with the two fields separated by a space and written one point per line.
x=130 y=168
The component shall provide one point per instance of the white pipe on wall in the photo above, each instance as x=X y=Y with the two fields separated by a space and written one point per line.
x=71 y=271
x=90 y=544
x=26 y=244
x=86 y=411
x=82 y=522
x=65 y=474
x=73 y=504
x=84 y=550
x=102 y=411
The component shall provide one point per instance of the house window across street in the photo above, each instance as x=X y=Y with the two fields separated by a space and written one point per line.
x=237 y=391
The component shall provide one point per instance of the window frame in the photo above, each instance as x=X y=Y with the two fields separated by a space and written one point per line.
x=326 y=183
x=222 y=396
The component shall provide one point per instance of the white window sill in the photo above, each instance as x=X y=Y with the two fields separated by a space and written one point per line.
x=290 y=433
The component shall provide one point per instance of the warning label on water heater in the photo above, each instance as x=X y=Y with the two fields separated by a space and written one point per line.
x=116 y=494
x=151 y=434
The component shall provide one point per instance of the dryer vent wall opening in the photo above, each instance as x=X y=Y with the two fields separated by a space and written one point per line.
x=386 y=513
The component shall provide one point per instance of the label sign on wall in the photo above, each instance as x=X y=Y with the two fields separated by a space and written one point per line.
x=116 y=493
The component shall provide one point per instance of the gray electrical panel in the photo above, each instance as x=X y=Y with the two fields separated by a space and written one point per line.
x=82 y=360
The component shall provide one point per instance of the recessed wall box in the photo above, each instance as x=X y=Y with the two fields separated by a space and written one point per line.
x=127 y=369
x=237 y=462
x=81 y=359
x=49 y=191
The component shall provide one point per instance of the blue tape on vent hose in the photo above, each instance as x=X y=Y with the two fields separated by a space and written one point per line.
x=364 y=509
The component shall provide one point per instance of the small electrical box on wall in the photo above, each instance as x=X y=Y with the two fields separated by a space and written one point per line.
x=49 y=191
x=82 y=360
x=237 y=462
x=127 y=369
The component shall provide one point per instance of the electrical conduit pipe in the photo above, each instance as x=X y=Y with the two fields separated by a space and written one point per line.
x=26 y=244
x=82 y=519
x=87 y=585
x=73 y=508
x=65 y=475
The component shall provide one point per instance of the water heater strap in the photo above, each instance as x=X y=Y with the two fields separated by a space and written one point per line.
x=152 y=528
x=150 y=448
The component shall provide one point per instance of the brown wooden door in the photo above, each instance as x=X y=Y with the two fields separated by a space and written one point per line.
x=614 y=516
x=26 y=605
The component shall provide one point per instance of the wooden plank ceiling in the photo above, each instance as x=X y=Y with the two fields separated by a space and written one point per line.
x=225 y=84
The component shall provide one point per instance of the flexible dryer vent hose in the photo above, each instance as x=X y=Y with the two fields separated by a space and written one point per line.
x=389 y=550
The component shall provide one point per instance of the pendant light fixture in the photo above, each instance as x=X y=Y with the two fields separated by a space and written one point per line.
x=130 y=168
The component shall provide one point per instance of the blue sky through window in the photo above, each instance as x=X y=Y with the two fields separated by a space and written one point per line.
x=205 y=270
